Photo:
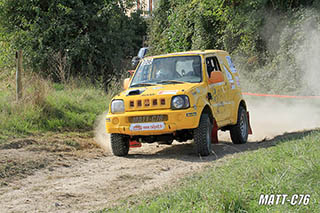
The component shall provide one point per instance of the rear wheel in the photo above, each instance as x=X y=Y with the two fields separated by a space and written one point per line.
x=239 y=132
x=119 y=144
x=202 y=136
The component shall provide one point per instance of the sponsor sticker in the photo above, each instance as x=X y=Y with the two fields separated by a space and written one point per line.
x=150 y=94
x=147 y=62
x=229 y=76
x=147 y=126
x=220 y=104
x=191 y=114
x=231 y=65
x=237 y=80
x=157 y=88
x=168 y=92
x=217 y=84
x=232 y=86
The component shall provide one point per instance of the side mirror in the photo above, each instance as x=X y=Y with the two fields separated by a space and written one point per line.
x=126 y=83
x=134 y=63
x=216 y=77
x=136 y=58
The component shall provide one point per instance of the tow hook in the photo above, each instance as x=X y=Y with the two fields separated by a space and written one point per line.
x=134 y=144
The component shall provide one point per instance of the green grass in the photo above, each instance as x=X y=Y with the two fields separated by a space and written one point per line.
x=50 y=107
x=291 y=166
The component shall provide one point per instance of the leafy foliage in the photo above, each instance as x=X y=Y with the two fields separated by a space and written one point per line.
x=262 y=36
x=201 y=24
x=6 y=50
x=94 y=37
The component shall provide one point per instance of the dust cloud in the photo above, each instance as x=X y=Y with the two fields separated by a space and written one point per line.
x=101 y=137
x=274 y=116
x=271 y=116
x=308 y=55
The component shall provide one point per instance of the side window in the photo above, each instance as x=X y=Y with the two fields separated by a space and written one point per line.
x=231 y=65
x=209 y=65
x=212 y=64
x=217 y=65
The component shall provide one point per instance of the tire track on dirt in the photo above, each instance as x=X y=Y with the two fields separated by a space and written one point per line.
x=103 y=181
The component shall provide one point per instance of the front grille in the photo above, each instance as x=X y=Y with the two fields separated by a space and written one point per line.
x=147 y=103
x=147 y=118
x=154 y=102
x=163 y=101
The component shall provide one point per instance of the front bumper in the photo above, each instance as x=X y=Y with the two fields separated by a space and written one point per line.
x=177 y=120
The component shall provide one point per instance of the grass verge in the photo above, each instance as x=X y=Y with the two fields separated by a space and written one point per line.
x=49 y=107
x=291 y=166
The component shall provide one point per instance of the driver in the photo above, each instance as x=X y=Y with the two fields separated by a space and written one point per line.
x=196 y=68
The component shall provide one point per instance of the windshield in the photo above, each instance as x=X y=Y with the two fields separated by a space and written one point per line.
x=177 y=69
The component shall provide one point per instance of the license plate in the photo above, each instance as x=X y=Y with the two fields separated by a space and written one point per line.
x=147 y=126
x=148 y=118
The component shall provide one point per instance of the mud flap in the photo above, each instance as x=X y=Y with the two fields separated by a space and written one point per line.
x=249 y=130
x=134 y=144
x=214 y=136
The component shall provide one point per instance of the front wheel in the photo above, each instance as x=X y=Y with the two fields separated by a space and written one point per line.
x=119 y=144
x=239 y=132
x=202 y=136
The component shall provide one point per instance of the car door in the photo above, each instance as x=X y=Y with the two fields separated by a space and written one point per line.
x=233 y=83
x=229 y=88
x=218 y=91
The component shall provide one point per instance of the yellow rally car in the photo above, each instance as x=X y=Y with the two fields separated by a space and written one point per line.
x=179 y=96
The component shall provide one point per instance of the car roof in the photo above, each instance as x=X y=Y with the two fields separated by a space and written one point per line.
x=193 y=52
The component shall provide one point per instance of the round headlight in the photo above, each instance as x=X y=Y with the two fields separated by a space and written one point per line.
x=180 y=102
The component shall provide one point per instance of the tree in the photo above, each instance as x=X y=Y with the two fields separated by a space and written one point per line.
x=94 y=36
x=263 y=36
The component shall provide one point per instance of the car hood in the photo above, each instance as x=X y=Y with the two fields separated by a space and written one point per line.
x=153 y=97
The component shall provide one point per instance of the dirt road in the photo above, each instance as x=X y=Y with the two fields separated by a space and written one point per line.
x=61 y=173
x=69 y=173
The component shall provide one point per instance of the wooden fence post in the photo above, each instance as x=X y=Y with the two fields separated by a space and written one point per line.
x=18 y=75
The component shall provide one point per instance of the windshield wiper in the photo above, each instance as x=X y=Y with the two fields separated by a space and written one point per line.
x=172 y=82
x=143 y=84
